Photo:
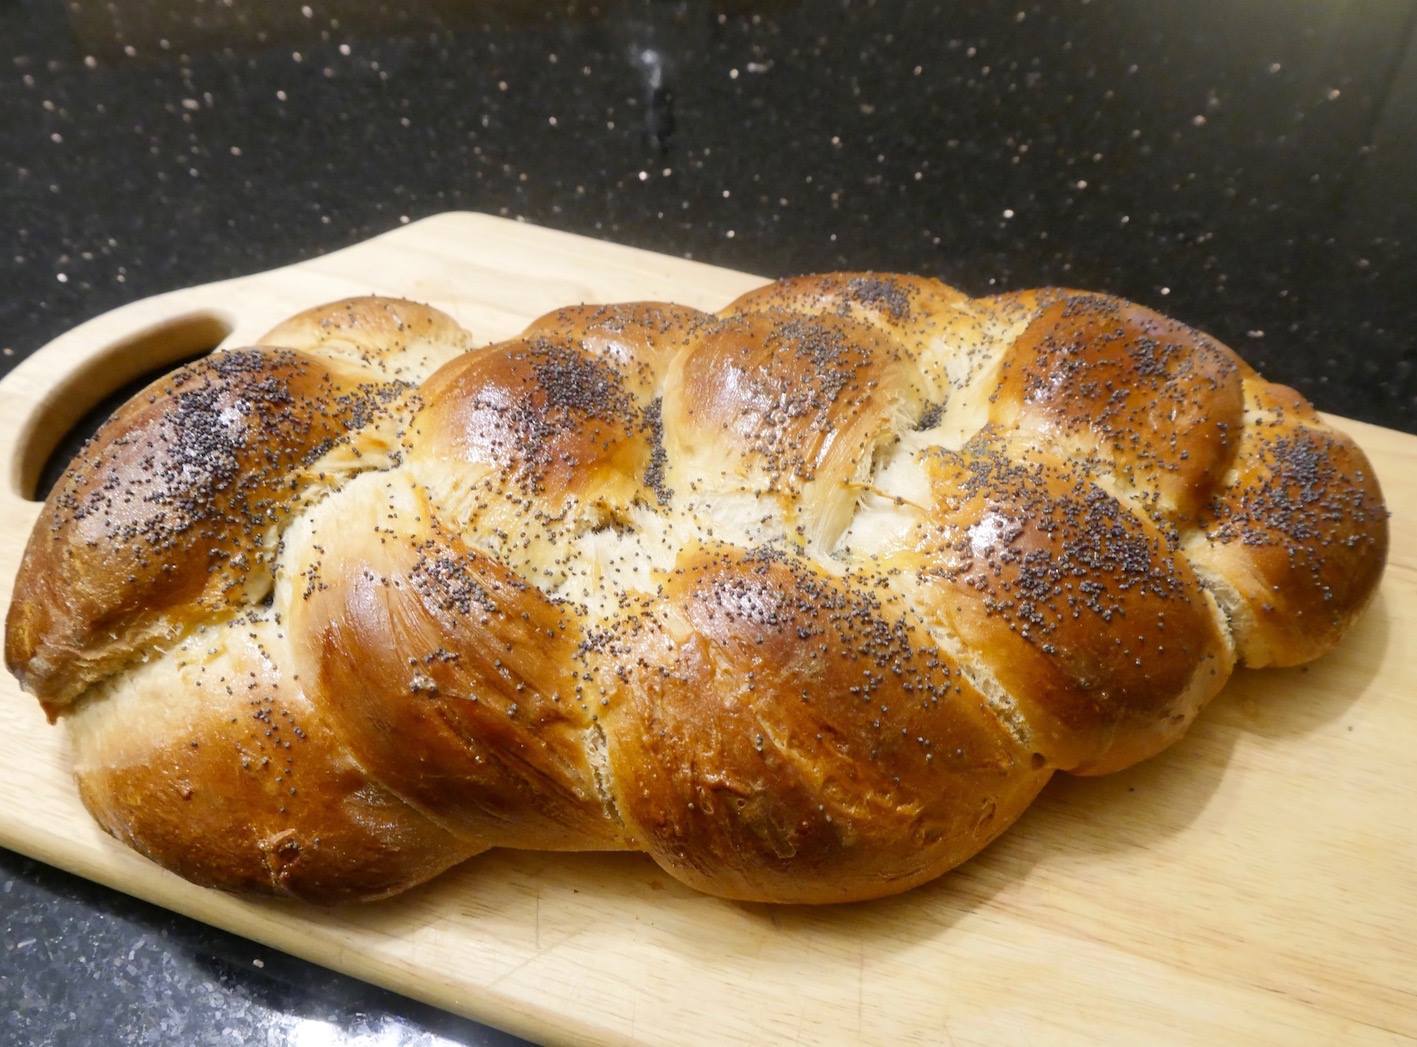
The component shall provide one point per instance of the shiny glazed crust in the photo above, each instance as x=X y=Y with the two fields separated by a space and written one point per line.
x=807 y=599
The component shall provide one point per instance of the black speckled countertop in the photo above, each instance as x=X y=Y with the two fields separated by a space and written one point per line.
x=1245 y=165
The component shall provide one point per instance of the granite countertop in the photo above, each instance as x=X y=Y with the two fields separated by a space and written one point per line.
x=1244 y=165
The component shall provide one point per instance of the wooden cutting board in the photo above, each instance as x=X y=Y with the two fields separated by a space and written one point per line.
x=1257 y=883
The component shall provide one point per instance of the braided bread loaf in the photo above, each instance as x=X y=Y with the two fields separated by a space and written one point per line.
x=807 y=599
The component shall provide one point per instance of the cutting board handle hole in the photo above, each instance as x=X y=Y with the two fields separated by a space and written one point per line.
x=83 y=402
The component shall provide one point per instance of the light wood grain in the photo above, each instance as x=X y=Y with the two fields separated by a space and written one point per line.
x=1255 y=884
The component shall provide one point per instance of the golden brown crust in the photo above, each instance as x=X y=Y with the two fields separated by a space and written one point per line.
x=807 y=599
x=785 y=398
x=166 y=519
x=237 y=781
x=391 y=336
x=1298 y=535
x=915 y=314
x=1158 y=402
x=786 y=736
x=790 y=406
x=637 y=339
x=450 y=677
x=891 y=300
x=544 y=418
x=1077 y=606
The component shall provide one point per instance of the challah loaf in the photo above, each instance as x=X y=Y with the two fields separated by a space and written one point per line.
x=806 y=599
